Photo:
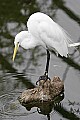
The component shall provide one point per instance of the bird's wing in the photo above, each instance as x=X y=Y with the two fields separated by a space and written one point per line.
x=54 y=37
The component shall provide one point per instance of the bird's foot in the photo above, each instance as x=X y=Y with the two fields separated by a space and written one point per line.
x=43 y=77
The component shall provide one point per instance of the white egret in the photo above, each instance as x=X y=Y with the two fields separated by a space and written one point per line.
x=42 y=30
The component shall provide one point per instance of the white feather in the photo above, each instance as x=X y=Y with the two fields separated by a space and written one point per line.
x=42 y=30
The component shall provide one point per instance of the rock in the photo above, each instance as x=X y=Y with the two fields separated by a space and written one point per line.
x=45 y=91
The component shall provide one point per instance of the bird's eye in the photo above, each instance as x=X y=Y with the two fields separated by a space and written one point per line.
x=18 y=43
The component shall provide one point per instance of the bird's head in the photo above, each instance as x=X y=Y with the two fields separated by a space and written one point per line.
x=18 y=40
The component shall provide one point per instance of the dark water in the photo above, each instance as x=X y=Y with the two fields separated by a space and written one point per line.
x=29 y=65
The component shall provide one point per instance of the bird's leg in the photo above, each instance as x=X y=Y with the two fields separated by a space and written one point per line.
x=45 y=76
x=47 y=64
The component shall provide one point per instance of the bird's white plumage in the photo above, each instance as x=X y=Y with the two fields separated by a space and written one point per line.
x=42 y=30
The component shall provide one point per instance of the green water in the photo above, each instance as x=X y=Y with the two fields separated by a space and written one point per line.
x=29 y=65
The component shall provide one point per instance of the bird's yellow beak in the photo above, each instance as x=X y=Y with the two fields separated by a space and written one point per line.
x=15 y=51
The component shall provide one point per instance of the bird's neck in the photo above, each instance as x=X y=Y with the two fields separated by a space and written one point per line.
x=29 y=42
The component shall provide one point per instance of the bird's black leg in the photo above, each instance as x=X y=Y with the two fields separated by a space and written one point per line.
x=47 y=64
x=45 y=76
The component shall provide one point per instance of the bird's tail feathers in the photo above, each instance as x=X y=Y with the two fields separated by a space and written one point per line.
x=74 y=44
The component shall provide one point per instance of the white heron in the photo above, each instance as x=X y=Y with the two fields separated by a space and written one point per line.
x=42 y=30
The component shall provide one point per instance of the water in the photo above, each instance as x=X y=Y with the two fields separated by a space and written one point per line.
x=29 y=65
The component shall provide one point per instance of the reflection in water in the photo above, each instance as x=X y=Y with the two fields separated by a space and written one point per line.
x=61 y=4
x=10 y=108
x=65 y=113
x=13 y=17
x=45 y=108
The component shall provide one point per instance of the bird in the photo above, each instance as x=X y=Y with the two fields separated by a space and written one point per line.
x=43 y=31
